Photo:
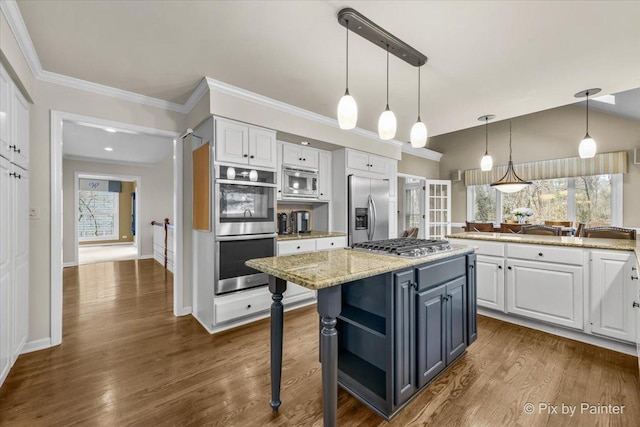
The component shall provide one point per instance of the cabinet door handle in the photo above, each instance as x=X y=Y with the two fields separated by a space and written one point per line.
x=331 y=243
x=298 y=247
x=304 y=160
x=245 y=155
x=632 y=277
x=635 y=305
x=540 y=254
x=509 y=268
x=252 y=156
x=633 y=269
x=322 y=194
x=300 y=158
x=248 y=306
x=500 y=267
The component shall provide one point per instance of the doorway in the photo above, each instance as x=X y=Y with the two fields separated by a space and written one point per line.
x=105 y=150
x=411 y=206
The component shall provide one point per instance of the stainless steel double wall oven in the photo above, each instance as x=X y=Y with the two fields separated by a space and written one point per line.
x=245 y=225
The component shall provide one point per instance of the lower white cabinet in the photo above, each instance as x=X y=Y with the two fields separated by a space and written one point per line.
x=546 y=291
x=490 y=282
x=612 y=295
x=14 y=263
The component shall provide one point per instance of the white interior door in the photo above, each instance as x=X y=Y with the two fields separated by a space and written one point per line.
x=438 y=208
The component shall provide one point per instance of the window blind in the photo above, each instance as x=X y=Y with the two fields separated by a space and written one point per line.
x=601 y=164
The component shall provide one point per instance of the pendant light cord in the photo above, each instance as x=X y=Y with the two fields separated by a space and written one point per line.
x=419 y=68
x=387 y=77
x=587 y=112
x=486 y=136
x=509 y=140
x=347 y=73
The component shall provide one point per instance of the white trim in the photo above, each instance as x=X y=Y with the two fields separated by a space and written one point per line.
x=425 y=153
x=36 y=345
x=182 y=311
x=561 y=332
x=147 y=256
x=178 y=232
x=108 y=161
x=19 y=30
x=69 y=264
x=56 y=227
x=82 y=119
x=197 y=94
x=74 y=83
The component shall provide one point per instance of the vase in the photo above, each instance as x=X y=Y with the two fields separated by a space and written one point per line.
x=522 y=219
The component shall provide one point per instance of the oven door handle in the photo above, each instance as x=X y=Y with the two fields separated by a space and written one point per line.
x=250 y=237
x=246 y=183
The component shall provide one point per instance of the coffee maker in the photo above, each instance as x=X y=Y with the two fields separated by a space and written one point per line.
x=300 y=222
x=282 y=223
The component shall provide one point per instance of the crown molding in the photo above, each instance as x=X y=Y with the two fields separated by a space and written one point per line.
x=109 y=161
x=19 y=29
x=425 y=153
x=72 y=82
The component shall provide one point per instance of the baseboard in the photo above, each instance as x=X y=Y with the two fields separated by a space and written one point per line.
x=562 y=332
x=182 y=311
x=36 y=345
x=69 y=264
x=149 y=256
x=108 y=244
x=208 y=329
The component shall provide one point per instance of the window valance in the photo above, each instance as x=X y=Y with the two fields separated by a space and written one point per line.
x=601 y=164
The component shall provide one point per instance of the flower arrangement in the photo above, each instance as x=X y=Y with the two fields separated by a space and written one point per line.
x=522 y=213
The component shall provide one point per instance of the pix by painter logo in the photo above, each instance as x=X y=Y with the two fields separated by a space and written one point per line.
x=570 y=410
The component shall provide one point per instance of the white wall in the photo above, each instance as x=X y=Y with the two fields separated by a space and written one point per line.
x=155 y=196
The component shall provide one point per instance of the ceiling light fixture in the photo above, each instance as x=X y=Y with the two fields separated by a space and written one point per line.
x=510 y=182
x=347 y=107
x=587 y=148
x=110 y=130
x=486 y=164
x=304 y=142
x=361 y=25
x=419 y=129
x=387 y=122
x=108 y=149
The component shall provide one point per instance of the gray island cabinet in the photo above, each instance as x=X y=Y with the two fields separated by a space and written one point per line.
x=389 y=325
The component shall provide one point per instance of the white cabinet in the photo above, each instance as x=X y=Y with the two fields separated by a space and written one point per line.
x=6 y=96
x=262 y=147
x=14 y=263
x=297 y=155
x=546 y=291
x=612 y=293
x=324 y=175
x=367 y=162
x=20 y=147
x=279 y=148
x=490 y=282
x=248 y=145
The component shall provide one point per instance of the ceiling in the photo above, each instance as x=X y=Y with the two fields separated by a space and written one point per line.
x=88 y=142
x=627 y=104
x=504 y=58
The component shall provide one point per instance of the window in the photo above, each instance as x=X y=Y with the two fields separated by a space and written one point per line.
x=97 y=215
x=595 y=200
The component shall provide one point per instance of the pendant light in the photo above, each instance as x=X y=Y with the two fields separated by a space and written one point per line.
x=387 y=122
x=419 y=129
x=510 y=182
x=347 y=107
x=587 y=148
x=486 y=164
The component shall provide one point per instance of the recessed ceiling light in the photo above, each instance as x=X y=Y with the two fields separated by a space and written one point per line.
x=108 y=149
x=111 y=130
x=607 y=99
x=304 y=142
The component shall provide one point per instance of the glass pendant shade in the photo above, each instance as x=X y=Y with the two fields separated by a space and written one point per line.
x=347 y=112
x=510 y=181
x=418 y=134
x=486 y=164
x=511 y=188
x=587 y=148
x=387 y=124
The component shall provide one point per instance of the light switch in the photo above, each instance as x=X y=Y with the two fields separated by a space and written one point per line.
x=34 y=213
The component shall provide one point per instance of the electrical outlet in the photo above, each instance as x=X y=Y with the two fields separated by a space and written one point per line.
x=34 y=213
x=124 y=237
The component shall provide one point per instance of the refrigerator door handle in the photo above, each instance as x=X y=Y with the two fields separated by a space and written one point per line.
x=375 y=217
x=369 y=212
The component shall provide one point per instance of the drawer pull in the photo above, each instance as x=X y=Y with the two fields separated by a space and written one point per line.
x=298 y=247
x=540 y=254
x=509 y=268
x=635 y=305
x=500 y=267
x=634 y=277
x=248 y=306
x=331 y=243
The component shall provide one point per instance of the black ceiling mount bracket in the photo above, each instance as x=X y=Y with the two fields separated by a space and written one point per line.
x=369 y=30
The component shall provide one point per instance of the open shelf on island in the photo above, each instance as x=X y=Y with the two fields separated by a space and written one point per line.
x=363 y=372
x=363 y=319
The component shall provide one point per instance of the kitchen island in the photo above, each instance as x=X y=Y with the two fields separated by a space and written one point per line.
x=585 y=289
x=390 y=325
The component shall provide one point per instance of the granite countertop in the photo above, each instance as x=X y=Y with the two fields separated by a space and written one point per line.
x=575 y=242
x=310 y=235
x=323 y=269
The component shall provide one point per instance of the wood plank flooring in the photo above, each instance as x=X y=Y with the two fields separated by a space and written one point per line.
x=126 y=360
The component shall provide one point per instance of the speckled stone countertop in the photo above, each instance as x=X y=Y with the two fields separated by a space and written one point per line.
x=323 y=269
x=310 y=235
x=575 y=242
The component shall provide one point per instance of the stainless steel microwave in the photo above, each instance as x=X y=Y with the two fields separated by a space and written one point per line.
x=299 y=183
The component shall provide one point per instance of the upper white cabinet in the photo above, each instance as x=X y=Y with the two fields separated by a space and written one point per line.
x=6 y=97
x=324 y=175
x=20 y=146
x=248 y=145
x=297 y=155
x=279 y=147
x=612 y=293
x=367 y=162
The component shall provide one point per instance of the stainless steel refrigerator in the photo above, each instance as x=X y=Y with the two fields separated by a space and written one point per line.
x=368 y=209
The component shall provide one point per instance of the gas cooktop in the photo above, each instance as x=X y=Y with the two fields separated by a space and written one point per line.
x=405 y=247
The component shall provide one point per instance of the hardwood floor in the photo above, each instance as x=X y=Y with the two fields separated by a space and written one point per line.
x=126 y=360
